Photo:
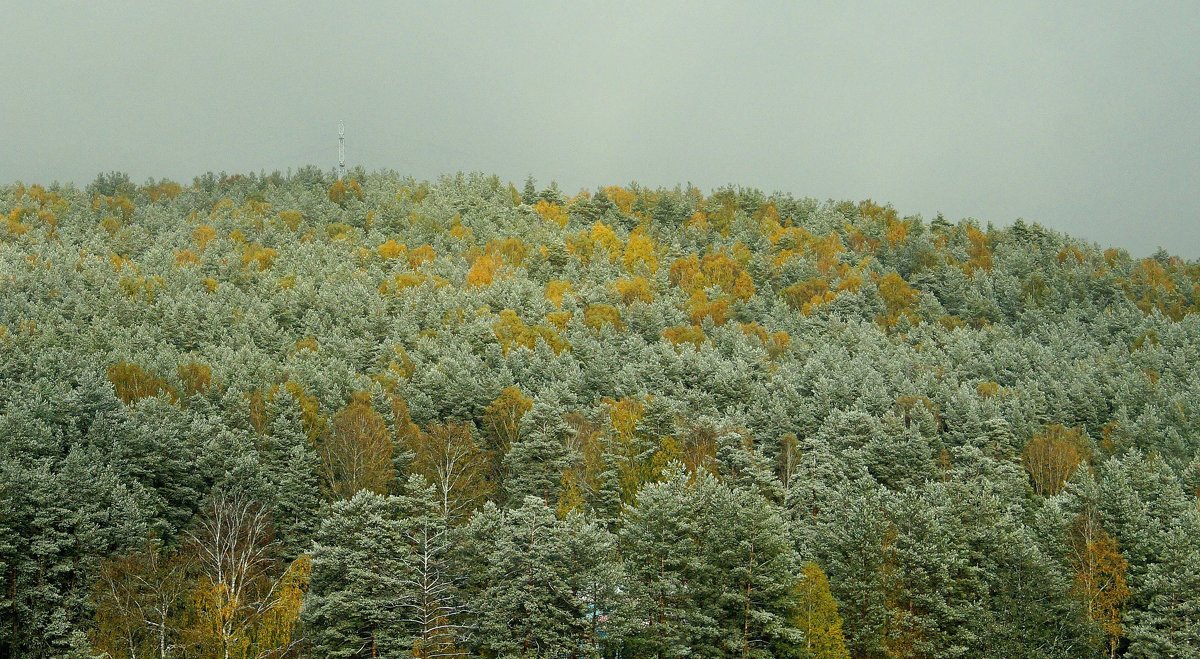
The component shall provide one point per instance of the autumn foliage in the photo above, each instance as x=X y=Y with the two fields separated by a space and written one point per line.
x=817 y=616
x=132 y=382
x=1099 y=577
x=357 y=452
x=280 y=416
x=1052 y=456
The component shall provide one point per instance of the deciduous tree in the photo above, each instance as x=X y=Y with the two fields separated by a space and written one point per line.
x=357 y=452
x=1052 y=456
x=817 y=616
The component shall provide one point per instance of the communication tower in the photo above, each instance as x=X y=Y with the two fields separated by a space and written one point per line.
x=341 y=150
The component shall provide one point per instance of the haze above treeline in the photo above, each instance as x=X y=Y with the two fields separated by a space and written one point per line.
x=1082 y=119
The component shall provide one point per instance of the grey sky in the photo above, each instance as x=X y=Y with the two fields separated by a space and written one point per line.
x=1082 y=116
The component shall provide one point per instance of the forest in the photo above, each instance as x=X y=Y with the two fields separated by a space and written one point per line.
x=309 y=415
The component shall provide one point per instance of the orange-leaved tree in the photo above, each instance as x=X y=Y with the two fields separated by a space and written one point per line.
x=1052 y=456
x=1099 y=581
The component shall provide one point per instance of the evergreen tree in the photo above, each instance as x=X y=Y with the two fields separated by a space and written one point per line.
x=854 y=547
x=529 y=607
x=741 y=465
x=754 y=569
x=660 y=541
x=529 y=193
x=535 y=461
x=596 y=574
x=1168 y=621
x=293 y=469
x=358 y=573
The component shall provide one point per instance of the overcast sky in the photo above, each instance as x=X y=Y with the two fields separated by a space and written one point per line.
x=1082 y=116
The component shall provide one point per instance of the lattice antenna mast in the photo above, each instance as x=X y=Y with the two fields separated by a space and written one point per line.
x=341 y=150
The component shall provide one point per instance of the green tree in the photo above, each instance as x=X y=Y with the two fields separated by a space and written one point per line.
x=357 y=576
x=854 y=547
x=535 y=462
x=293 y=469
x=664 y=566
x=755 y=570
x=541 y=583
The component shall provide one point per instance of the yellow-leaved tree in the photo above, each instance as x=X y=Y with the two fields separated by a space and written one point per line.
x=596 y=316
x=132 y=382
x=239 y=586
x=552 y=212
x=139 y=602
x=1099 y=581
x=483 y=269
x=391 y=249
x=639 y=257
x=979 y=251
x=680 y=334
x=899 y=298
x=196 y=377
x=805 y=296
x=449 y=458
x=278 y=630
x=634 y=289
x=1052 y=456
x=555 y=290
x=357 y=453
x=502 y=427
x=816 y=615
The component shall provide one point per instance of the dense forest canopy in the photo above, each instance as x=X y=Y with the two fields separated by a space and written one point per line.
x=297 y=415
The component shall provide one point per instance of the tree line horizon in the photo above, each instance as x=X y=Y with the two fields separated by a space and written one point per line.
x=292 y=415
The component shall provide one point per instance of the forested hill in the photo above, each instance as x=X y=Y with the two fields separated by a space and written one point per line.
x=281 y=416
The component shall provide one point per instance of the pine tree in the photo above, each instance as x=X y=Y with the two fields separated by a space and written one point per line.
x=54 y=526
x=1029 y=611
x=529 y=193
x=813 y=497
x=742 y=466
x=1168 y=623
x=854 y=548
x=535 y=462
x=293 y=469
x=899 y=457
x=357 y=575
x=660 y=540
x=1154 y=522
x=157 y=447
x=928 y=583
x=596 y=574
x=526 y=610
x=754 y=569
